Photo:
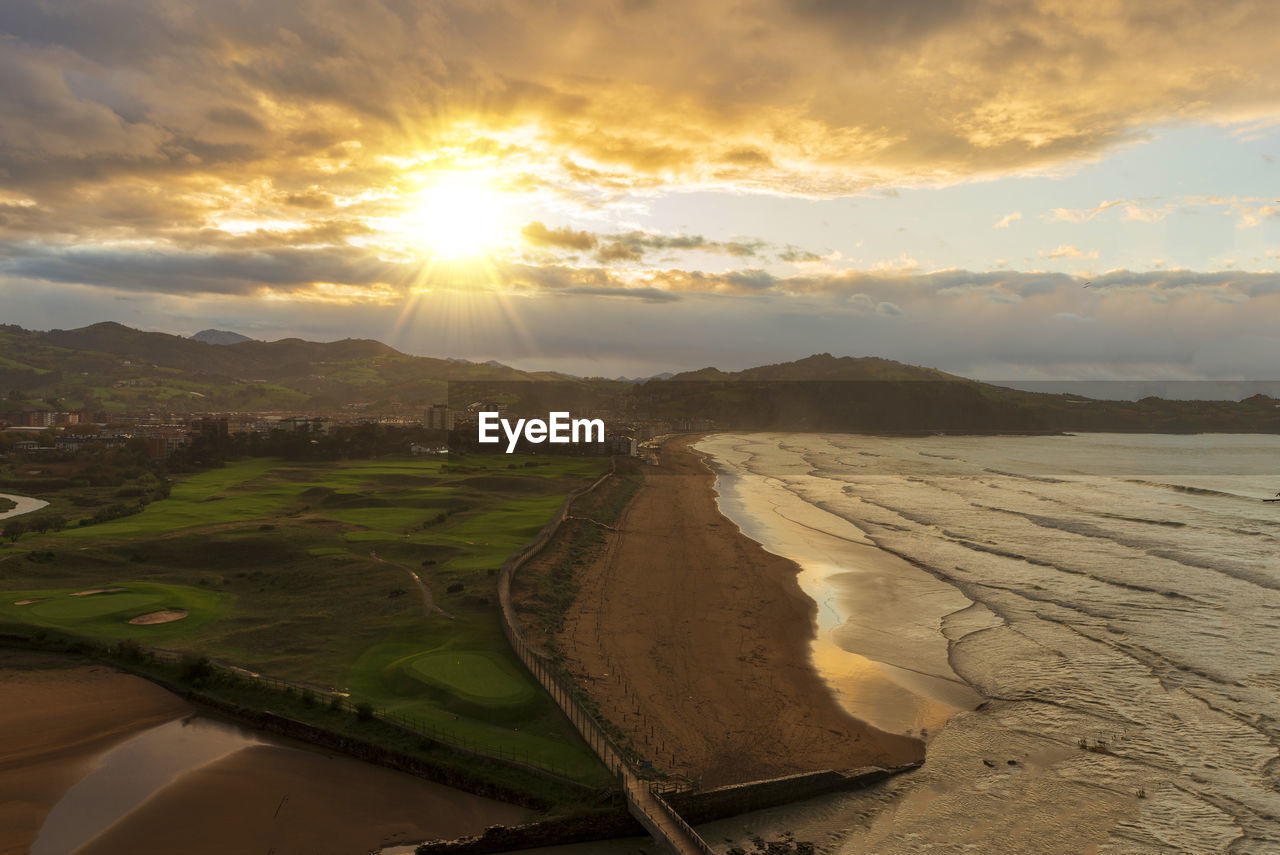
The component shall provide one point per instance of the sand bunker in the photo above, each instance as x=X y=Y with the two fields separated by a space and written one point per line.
x=97 y=591
x=162 y=616
x=29 y=602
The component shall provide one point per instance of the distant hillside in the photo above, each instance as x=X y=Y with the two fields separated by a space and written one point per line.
x=112 y=367
x=827 y=393
x=219 y=337
x=873 y=395
x=109 y=366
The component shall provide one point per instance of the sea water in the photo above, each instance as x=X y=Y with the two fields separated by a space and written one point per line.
x=1083 y=628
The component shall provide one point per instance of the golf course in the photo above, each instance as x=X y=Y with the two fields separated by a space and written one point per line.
x=373 y=578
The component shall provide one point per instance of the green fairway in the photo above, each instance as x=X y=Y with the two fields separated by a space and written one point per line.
x=306 y=571
x=69 y=610
x=106 y=615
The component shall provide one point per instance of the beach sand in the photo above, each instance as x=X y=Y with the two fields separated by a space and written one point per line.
x=55 y=719
x=696 y=641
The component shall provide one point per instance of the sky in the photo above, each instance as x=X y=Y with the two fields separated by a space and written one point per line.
x=1004 y=190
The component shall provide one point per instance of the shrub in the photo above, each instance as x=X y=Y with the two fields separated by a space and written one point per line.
x=195 y=668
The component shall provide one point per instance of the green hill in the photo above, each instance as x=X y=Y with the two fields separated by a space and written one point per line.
x=109 y=366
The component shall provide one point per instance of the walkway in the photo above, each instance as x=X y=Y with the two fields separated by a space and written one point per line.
x=673 y=834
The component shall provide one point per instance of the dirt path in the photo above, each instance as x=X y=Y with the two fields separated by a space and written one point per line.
x=428 y=601
x=695 y=640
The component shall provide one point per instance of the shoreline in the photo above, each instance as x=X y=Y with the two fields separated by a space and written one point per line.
x=878 y=638
x=695 y=640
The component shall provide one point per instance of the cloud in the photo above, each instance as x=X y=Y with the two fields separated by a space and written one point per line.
x=618 y=251
x=650 y=295
x=797 y=255
x=239 y=272
x=634 y=245
x=1007 y=220
x=1082 y=215
x=565 y=318
x=132 y=90
x=538 y=234
x=1136 y=212
x=1065 y=250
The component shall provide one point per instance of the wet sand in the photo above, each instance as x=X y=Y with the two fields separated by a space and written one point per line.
x=55 y=720
x=880 y=642
x=65 y=725
x=696 y=641
x=268 y=798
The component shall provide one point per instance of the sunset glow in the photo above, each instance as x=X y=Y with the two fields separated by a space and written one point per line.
x=458 y=215
x=911 y=183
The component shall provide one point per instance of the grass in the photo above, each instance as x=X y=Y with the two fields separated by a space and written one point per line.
x=107 y=615
x=302 y=571
x=470 y=674
x=220 y=496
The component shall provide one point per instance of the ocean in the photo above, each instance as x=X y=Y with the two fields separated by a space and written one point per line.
x=1084 y=629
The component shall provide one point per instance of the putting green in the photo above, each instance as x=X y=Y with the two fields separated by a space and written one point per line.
x=477 y=676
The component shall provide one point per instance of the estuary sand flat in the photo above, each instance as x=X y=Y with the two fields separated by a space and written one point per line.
x=55 y=721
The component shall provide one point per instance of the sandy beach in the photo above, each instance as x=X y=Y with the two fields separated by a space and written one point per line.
x=696 y=641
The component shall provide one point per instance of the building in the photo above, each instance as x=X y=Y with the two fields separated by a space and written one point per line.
x=439 y=417
x=37 y=418
x=211 y=429
x=621 y=444
x=304 y=424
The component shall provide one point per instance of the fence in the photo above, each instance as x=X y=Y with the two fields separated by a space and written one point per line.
x=410 y=724
x=643 y=797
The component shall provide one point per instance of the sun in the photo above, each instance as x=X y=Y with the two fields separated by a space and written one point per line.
x=459 y=215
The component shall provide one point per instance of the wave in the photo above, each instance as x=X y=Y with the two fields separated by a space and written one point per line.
x=1186 y=488
x=1023 y=476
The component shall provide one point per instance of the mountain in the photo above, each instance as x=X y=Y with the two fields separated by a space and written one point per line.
x=219 y=337
x=666 y=375
x=824 y=366
x=112 y=367
x=874 y=395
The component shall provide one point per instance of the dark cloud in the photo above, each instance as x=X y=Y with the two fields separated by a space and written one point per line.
x=618 y=251
x=650 y=295
x=812 y=96
x=795 y=254
x=746 y=157
x=537 y=234
x=632 y=246
x=281 y=270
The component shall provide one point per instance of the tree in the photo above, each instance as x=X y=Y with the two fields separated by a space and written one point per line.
x=13 y=530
